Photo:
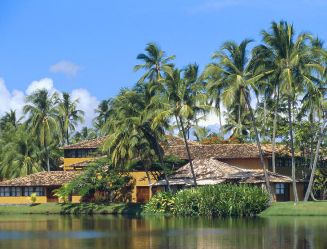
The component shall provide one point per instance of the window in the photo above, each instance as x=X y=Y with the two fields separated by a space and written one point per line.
x=16 y=191
x=280 y=188
x=28 y=191
x=39 y=191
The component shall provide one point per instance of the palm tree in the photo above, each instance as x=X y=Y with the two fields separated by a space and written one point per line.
x=41 y=108
x=10 y=118
x=184 y=104
x=292 y=63
x=155 y=62
x=85 y=133
x=240 y=76
x=132 y=134
x=69 y=116
x=20 y=154
x=213 y=76
x=104 y=111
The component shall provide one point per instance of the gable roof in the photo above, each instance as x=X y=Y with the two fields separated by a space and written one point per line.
x=87 y=144
x=217 y=151
x=52 y=178
x=212 y=171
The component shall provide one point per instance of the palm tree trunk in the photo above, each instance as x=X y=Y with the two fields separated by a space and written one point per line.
x=290 y=123
x=67 y=136
x=149 y=181
x=262 y=162
x=188 y=151
x=46 y=150
x=314 y=166
x=274 y=133
x=311 y=141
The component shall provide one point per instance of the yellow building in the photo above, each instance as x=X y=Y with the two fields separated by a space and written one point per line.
x=18 y=190
x=78 y=156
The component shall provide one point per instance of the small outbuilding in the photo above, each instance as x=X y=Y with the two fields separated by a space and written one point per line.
x=212 y=171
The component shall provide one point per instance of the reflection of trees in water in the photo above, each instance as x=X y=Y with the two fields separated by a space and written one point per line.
x=162 y=232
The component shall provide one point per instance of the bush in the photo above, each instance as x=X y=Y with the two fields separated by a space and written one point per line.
x=161 y=203
x=33 y=198
x=214 y=200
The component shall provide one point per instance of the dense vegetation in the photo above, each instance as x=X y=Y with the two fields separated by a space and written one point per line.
x=99 y=183
x=216 y=200
x=271 y=91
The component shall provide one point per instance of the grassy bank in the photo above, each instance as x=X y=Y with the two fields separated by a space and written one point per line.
x=82 y=208
x=301 y=209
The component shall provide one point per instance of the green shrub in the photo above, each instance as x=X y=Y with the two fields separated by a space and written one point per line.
x=161 y=203
x=214 y=200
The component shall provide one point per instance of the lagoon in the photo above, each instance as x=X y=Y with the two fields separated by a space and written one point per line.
x=118 y=232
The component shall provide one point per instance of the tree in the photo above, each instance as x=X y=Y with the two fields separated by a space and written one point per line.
x=85 y=133
x=183 y=103
x=292 y=62
x=41 y=108
x=69 y=116
x=132 y=134
x=241 y=74
x=155 y=62
x=10 y=118
x=104 y=111
x=20 y=155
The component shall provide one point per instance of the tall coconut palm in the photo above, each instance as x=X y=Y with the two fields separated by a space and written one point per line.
x=213 y=76
x=131 y=128
x=155 y=63
x=292 y=61
x=85 y=133
x=41 y=111
x=103 y=111
x=69 y=116
x=240 y=76
x=182 y=103
x=20 y=155
x=9 y=118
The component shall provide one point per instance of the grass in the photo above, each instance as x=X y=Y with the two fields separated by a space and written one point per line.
x=80 y=208
x=276 y=209
x=318 y=208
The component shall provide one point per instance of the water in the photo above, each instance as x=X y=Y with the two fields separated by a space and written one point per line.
x=117 y=232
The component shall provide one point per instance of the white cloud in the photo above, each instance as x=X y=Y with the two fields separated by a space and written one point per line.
x=65 y=67
x=16 y=99
x=87 y=103
x=45 y=83
x=10 y=100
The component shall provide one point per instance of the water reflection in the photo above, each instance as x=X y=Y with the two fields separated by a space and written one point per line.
x=158 y=232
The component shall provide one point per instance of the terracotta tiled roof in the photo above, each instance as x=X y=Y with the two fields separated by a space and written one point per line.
x=212 y=171
x=87 y=144
x=218 y=151
x=52 y=178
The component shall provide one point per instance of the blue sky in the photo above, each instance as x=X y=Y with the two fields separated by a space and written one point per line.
x=90 y=47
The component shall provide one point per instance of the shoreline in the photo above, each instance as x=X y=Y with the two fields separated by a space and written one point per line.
x=318 y=208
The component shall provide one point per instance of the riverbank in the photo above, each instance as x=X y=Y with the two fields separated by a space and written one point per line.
x=80 y=208
x=276 y=209
x=318 y=208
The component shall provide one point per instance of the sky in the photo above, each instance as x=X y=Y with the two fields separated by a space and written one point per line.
x=89 y=47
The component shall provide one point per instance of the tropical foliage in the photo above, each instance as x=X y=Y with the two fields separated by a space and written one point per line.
x=215 y=200
x=273 y=91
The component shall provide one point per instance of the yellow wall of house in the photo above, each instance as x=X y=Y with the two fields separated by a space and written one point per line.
x=141 y=180
x=70 y=161
x=246 y=163
x=76 y=199
x=21 y=199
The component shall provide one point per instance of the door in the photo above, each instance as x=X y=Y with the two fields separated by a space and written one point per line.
x=282 y=191
x=50 y=196
x=142 y=194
